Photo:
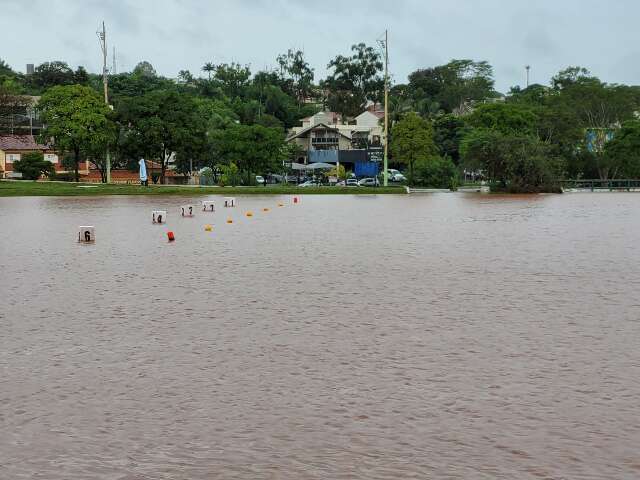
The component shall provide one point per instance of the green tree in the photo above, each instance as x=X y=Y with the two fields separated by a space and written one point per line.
x=33 y=166
x=77 y=119
x=296 y=71
x=162 y=123
x=449 y=130
x=512 y=162
x=125 y=85
x=5 y=69
x=81 y=76
x=50 y=74
x=434 y=171
x=412 y=141
x=622 y=154
x=144 y=69
x=453 y=84
x=13 y=109
x=339 y=172
x=253 y=148
x=209 y=67
x=506 y=118
x=354 y=81
x=185 y=77
x=233 y=78
x=230 y=174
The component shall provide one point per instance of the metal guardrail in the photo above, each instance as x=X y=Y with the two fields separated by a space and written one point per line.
x=597 y=184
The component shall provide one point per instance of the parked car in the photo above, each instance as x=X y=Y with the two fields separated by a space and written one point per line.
x=260 y=180
x=398 y=177
x=310 y=183
x=275 y=178
x=369 y=182
x=352 y=182
x=291 y=179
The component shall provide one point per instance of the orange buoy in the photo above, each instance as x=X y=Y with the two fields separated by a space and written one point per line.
x=208 y=228
x=171 y=236
x=265 y=209
x=280 y=204
x=229 y=220
x=249 y=214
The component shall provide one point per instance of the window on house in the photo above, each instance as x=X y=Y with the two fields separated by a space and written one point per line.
x=12 y=157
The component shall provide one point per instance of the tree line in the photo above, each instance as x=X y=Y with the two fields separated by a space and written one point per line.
x=445 y=119
x=449 y=119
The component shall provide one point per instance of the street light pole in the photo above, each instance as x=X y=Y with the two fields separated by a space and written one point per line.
x=386 y=109
x=528 y=67
x=105 y=83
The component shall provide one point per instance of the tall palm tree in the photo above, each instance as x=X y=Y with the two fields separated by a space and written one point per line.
x=209 y=67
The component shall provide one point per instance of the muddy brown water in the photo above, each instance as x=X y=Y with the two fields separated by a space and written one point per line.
x=448 y=336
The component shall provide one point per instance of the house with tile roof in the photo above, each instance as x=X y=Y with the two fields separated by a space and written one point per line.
x=13 y=147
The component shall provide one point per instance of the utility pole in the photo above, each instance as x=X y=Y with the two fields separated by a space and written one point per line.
x=102 y=36
x=528 y=67
x=386 y=109
x=114 y=70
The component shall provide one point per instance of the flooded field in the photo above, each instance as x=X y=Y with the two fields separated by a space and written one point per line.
x=452 y=336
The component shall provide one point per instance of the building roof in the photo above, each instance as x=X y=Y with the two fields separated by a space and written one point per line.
x=20 y=142
x=377 y=113
x=334 y=128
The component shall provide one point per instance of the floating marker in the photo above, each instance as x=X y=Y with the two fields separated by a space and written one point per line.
x=159 y=216
x=280 y=204
x=249 y=214
x=208 y=206
x=229 y=220
x=208 y=228
x=229 y=201
x=265 y=209
x=296 y=199
x=86 y=234
x=171 y=236
x=187 y=210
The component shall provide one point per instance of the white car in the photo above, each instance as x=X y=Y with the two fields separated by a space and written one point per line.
x=398 y=177
x=369 y=182
x=309 y=183
x=260 y=180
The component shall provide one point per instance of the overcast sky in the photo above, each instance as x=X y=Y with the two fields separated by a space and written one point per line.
x=601 y=35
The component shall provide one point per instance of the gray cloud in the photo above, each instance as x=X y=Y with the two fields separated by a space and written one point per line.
x=183 y=34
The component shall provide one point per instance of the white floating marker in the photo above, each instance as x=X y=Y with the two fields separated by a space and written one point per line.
x=86 y=234
x=159 y=216
x=187 y=210
x=208 y=206
x=229 y=201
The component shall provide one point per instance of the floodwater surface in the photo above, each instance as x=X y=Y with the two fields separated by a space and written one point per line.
x=445 y=336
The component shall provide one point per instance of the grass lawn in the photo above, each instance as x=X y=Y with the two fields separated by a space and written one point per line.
x=25 y=188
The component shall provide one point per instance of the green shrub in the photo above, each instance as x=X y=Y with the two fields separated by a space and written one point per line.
x=33 y=166
x=436 y=172
x=230 y=175
x=63 y=177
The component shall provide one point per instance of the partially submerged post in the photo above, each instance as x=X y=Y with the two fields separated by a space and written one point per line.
x=86 y=234
x=159 y=216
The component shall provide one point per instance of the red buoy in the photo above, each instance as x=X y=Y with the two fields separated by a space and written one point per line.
x=170 y=236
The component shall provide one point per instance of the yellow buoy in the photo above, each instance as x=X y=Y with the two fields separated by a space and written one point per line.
x=208 y=228
x=265 y=209
x=229 y=220
x=280 y=204
x=249 y=214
